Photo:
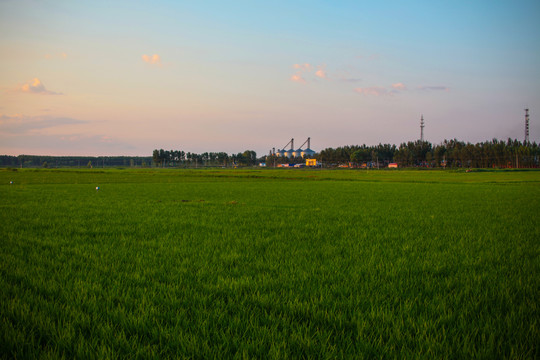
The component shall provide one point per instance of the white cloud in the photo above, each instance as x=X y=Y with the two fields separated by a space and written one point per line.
x=37 y=87
x=297 y=78
x=307 y=69
x=303 y=67
x=153 y=60
x=320 y=73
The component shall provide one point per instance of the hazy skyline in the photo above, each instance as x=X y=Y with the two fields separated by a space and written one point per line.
x=126 y=77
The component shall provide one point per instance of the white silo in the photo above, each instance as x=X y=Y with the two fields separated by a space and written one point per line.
x=308 y=152
x=285 y=153
x=288 y=153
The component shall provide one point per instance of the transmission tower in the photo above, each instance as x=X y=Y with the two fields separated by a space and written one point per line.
x=526 y=126
x=422 y=128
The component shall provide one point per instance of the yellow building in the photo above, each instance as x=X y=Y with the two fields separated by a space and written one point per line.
x=311 y=162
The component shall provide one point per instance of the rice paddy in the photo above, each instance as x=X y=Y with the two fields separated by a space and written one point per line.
x=269 y=264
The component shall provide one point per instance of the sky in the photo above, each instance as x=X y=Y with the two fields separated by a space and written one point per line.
x=126 y=77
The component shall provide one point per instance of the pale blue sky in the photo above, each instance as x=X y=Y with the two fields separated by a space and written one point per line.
x=230 y=76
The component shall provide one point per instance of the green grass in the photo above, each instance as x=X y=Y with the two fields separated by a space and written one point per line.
x=269 y=264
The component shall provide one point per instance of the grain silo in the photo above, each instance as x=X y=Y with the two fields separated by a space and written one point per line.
x=288 y=153
x=294 y=153
x=308 y=152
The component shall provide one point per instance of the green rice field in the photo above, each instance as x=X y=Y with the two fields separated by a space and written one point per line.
x=268 y=263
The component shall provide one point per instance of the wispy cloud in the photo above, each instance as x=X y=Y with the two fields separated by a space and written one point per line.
x=37 y=87
x=349 y=80
x=61 y=144
x=433 y=88
x=23 y=124
x=297 y=78
x=312 y=72
x=25 y=134
x=303 y=67
x=395 y=89
x=321 y=72
x=153 y=60
x=103 y=139
x=373 y=90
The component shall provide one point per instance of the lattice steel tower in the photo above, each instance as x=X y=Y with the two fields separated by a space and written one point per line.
x=422 y=128
x=526 y=126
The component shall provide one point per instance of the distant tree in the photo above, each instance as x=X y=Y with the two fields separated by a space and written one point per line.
x=158 y=156
x=162 y=157
x=222 y=158
x=360 y=156
x=238 y=159
x=89 y=165
x=429 y=159
x=438 y=154
x=45 y=165
x=271 y=160
x=374 y=157
x=249 y=157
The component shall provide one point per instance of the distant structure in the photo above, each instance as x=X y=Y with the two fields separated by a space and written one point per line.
x=284 y=152
x=526 y=127
x=292 y=152
x=307 y=151
x=422 y=128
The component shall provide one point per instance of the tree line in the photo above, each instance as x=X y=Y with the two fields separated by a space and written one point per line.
x=178 y=158
x=450 y=153
x=74 y=161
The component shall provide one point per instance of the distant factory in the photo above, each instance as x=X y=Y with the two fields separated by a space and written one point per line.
x=295 y=153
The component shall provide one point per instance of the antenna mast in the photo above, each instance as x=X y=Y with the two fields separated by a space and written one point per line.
x=526 y=127
x=422 y=128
